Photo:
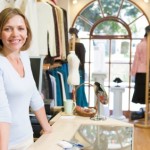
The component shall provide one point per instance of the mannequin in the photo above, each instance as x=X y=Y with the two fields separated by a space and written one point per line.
x=79 y=50
x=73 y=63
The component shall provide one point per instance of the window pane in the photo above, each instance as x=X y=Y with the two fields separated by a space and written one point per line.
x=83 y=27
x=98 y=52
x=120 y=51
x=111 y=7
x=87 y=47
x=119 y=70
x=92 y=13
x=110 y=28
x=138 y=28
x=90 y=95
x=129 y=12
x=87 y=74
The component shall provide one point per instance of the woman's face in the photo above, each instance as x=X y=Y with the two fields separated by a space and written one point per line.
x=14 y=34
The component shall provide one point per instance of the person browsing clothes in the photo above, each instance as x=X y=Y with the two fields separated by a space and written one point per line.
x=18 y=90
x=139 y=70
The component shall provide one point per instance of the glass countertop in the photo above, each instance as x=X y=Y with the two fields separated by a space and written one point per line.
x=100 y=137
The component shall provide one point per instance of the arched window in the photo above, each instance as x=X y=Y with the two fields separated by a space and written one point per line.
x=110 y=31
x=122 y=11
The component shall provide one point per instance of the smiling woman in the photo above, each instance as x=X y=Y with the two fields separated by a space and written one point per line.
x=24 y=26
x=14 y=34
x=18 y=90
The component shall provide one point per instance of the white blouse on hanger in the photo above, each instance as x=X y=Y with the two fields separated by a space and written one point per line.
x=46 y=26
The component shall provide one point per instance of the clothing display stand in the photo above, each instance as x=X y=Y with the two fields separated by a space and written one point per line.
x=73 y=62
x=117 y=102
x=145 y=123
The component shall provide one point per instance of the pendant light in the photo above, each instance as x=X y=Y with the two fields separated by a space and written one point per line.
x=146 y=1
x=74 y=1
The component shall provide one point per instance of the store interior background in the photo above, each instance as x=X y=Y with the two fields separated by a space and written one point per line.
x=73 y=10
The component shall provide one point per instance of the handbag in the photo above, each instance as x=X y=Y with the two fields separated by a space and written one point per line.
x=100 y=93
x=91 y=111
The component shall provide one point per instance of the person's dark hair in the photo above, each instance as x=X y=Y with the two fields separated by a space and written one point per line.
x=145 y=35
x=7 y=14
x=74 y=31
x=147 y=30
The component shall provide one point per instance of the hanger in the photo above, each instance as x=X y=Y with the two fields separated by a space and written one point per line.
x=49 y=66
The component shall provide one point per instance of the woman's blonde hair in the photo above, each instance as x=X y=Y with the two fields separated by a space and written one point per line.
x=7 y=14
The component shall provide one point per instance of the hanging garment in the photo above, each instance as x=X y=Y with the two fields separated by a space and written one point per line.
x=80 y=95
x=54 y=90
x=62 y=32
x=56 y=34
x=81 y=99
x=62 y=86
x=45 y=86
x=64 y=70
x=65 y=31
x=80 y=52
x=31 y=13
x=46 y=24
x=54 y=73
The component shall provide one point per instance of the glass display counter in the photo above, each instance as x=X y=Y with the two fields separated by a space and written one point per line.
x=99 y=137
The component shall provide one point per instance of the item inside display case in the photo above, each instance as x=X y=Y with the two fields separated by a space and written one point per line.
x=104 y=137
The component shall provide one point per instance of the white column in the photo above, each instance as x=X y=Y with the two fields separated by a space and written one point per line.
x=117 y=102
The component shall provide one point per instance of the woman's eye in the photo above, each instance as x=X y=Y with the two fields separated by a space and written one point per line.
x=7 y=29
x=21 y=28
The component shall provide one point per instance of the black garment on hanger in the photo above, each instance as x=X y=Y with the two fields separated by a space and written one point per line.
x=80 y=52
x=48 y=59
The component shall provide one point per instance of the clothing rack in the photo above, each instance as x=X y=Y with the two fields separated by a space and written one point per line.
x=145 y=123
x=49 y=66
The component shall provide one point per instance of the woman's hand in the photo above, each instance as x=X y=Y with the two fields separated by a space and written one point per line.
x=47 y=130
x=42 y=118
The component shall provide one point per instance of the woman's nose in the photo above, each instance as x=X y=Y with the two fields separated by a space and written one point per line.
x=15 y=32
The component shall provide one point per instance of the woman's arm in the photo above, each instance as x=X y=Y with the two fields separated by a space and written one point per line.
x=135 y=62
x=4 y=135
x=41 y=116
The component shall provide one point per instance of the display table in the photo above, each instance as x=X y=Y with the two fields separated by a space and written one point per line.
x=67 y=128
x=117 y=102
